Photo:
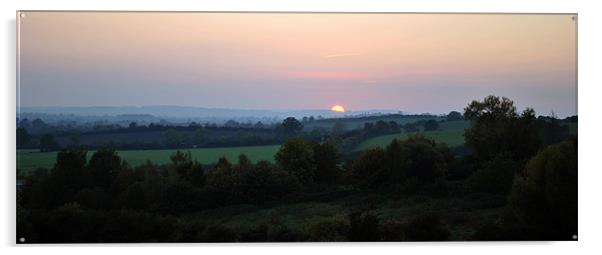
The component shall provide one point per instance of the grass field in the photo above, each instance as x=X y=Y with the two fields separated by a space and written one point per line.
x=450 y=133
x=452 y=138
x=29 y=160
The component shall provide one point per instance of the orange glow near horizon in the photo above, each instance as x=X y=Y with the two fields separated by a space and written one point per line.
x=409 y=62
x=337 y=108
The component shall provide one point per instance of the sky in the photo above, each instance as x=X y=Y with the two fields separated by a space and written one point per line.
x=410 y=62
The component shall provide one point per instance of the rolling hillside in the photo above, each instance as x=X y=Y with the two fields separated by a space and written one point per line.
x=29 y=160
x=450 y=133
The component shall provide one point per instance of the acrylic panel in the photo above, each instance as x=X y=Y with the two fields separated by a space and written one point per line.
x=295 y=127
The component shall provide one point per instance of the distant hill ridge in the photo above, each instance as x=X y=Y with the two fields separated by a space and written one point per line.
x=193 y=112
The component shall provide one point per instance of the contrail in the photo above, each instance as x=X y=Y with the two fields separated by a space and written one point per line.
x=342 y=55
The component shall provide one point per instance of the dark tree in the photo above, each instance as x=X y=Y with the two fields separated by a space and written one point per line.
x=454 y=115
x=410 y=127
x=327 y=159
x=291 y=126
x=47 y=143
x=172 y=138
x=264 y=182
x=223 y=183
x=552 y=131
x=74 y=138
x=93 y=198
x=426 y=228
x=23 y=137
x=244 y=164
x=495 y=176
x=416 y=158
x=177 y=197
x=364 y=227
x=231 y=123
x=394 y=127
x=431 y=125
x=259 y=124
x=199 y=136
x=338 y=128
x=104 y=167
x=423 y=159
x=496 y=127
x=543 y=201
x=65 y=180
x=39 y=124
x=381 y=126
x=297 y=157
x=186 y=168
x=70 y=169
x=395 y=163
x=368 y=168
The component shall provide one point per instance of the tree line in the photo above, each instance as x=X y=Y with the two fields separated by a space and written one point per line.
x=104 y=199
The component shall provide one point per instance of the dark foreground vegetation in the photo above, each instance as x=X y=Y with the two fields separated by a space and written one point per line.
x=516 y=180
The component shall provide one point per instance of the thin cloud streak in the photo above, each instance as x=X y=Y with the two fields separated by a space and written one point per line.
x=342 y=55
x=326 y=75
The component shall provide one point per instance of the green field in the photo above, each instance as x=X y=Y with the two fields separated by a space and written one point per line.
x=353 y=123
x=29 y=160
x=450 y=133
x=452 y=138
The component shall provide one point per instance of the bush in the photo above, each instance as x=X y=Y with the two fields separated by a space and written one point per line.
x=544 y=195
x=265 y=182
x=423 y=158
x=326 y=157
x=223 y=183
x=257 y=233
x=281 y=233
x=331 y=229
x=367 y=169
x=191 y=231
x=426 y=228
x=496 y=176
x=488 y=232
x=415 y=158
x=364 y=227
x=431 y=125
x=496 y=127
x=296 y=156
x=219 y=234
x=71 y=223
x=93 y=198
x=392 y=230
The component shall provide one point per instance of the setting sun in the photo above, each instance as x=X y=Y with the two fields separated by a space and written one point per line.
x=337 y=108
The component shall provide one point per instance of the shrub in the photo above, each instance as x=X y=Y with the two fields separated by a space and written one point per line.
x=218 y=234
x=281 y=233
x=392 y=230
x=297 y=157
x=191 y=231
x=93 y=198
x=265 y=182
x=544 y=195
x=496 y=176
x=426 y=228
x=331 y=229
x=364 y=227
x=257 y=233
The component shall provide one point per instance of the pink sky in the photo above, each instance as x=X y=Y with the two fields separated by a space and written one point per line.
x=411 y=62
